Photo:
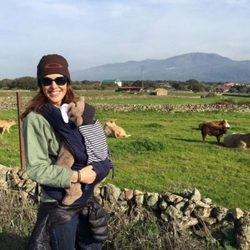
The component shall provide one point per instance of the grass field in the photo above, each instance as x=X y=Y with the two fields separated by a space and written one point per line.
x=164 y=153
x=112 y=97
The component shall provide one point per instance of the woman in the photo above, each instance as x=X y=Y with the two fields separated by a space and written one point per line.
x=58 y=226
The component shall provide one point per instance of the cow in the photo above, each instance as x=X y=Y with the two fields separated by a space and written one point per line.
x=214 y=128
x=5 y=125
x=112 y=130
x=237 y=141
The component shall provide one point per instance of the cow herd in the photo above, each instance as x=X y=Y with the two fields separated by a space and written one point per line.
x=218 y=129
x=212 y=128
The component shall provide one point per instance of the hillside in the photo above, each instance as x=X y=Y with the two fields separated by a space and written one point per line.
x=200 y=66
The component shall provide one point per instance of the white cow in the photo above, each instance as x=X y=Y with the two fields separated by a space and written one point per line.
x=237 y=141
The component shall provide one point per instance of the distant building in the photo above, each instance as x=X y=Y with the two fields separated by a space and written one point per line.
x=226 y=86
x=159 y=92
x=115 y=81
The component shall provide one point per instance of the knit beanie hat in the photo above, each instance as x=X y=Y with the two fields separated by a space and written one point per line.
x=53 y=64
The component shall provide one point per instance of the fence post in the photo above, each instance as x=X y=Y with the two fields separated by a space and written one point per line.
x=20 y=128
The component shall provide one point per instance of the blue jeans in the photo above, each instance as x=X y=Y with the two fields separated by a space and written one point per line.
x=74 y=234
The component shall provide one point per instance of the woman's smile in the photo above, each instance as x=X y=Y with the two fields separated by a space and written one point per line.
x=55 y=93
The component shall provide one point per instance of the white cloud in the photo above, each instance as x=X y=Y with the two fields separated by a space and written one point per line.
x=94 y=32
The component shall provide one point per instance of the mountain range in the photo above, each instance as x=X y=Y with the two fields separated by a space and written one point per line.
x=208 y=67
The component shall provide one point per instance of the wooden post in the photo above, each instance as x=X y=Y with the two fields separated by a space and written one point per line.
x=20 y=127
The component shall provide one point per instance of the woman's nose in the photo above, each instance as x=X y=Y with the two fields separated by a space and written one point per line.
x=53 y=84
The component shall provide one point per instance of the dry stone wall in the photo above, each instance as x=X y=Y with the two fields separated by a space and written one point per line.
x=185 y=211
x=228 y=107
x=9 y=102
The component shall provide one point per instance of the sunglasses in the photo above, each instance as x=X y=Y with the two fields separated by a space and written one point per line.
x=46 y=81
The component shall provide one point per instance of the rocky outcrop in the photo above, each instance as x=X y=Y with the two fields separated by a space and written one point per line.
x=16 y=179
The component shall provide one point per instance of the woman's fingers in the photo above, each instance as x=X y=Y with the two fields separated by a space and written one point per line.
x=88 y=175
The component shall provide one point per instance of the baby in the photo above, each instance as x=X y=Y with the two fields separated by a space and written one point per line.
x=71 y=149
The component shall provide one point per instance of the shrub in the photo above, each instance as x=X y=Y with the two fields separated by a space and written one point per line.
x=137 y=146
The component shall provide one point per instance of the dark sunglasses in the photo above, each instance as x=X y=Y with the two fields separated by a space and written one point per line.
x=46 y=81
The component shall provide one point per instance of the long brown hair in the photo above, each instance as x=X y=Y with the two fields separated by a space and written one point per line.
x=39 y=99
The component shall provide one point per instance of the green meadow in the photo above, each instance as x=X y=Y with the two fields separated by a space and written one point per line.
x=164 y=152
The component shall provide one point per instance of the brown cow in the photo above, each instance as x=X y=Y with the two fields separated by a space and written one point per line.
x=214 y=128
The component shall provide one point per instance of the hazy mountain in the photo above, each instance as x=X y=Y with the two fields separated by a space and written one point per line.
x=199 y=66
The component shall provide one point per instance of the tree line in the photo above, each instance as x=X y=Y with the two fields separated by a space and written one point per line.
x=30 y=83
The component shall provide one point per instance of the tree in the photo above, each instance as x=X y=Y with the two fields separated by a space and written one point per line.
x=26 y=82
x=195 y=85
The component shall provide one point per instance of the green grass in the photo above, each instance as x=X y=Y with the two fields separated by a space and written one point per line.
x=112 y=97
x=164 y=153
x=146 y=99
x=9 y=143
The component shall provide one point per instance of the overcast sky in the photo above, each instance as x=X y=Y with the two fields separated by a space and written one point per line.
x=95 y=32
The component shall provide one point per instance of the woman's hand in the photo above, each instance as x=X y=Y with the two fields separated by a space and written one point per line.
x=87 y=175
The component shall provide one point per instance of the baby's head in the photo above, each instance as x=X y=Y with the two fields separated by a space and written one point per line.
x=81 y=113
x=88 y=114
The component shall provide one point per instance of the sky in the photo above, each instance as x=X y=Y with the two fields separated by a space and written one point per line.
x=94 y=32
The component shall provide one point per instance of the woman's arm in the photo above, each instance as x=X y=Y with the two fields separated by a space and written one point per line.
x=41 y=149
